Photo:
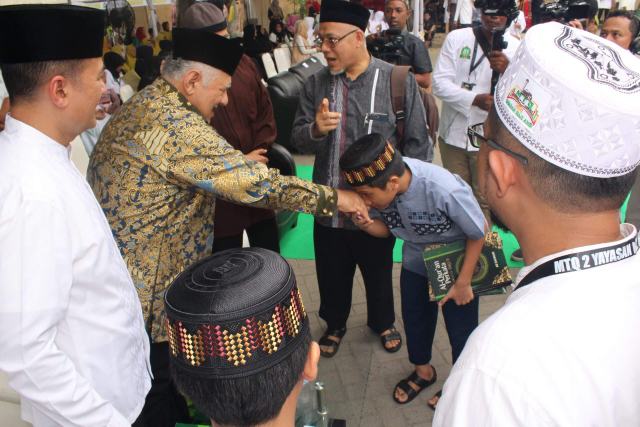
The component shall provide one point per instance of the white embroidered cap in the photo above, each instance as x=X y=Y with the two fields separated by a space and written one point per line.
x=573 y=99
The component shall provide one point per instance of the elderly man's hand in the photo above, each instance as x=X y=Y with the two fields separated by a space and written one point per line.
x=498 y=61
x=326 y=121
x=100 y=114
x=350 y=202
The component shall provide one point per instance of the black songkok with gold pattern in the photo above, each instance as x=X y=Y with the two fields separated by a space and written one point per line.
x=233 y=314
x=367 y=159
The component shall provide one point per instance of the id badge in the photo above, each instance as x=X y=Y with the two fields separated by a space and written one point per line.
x=468 y=86
x=376 y=117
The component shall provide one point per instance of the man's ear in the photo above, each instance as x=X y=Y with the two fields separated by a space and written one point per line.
x=59 y=91
x=311 y=367
x=504 y=170
x=190 y=79
x=409 y=12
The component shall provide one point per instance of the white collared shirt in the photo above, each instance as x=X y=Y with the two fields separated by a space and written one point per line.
x=464 y=12
x=563 y=351
x=452 y=69
x=72 y=338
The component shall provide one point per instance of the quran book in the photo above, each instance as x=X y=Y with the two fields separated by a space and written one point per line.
x=444 y=263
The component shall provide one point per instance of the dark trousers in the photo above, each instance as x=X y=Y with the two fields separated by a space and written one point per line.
x=164 y=405
x=262 y=234
x=452 y=14
x=421 y=317
x=338 y=252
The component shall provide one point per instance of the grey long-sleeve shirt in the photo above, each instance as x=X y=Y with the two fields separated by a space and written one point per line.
x=353 y=100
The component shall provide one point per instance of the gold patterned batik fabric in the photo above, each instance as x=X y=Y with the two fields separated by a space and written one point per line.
x=156 y=171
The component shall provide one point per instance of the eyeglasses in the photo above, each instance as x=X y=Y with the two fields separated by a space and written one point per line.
x=475 y=136
x=319 y=41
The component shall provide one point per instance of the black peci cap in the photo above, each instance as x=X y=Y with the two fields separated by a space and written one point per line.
x=345 y=12
x=36 y=32
x=233 y=314
x=209 y=48
x=367 y=159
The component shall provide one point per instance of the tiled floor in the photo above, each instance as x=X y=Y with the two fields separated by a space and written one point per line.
x=361 y=378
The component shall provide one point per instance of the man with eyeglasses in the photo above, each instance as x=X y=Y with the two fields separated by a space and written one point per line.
x=558 y=156
x=346 y=100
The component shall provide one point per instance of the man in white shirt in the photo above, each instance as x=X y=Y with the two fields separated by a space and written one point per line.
x=464 y=14
x=72 y=338
x=462 y=80
x=557 y=160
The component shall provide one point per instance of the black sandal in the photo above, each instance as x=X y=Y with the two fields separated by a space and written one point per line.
x=326 y=342
x=417 y=380
x=438 y=395
x=391 y=336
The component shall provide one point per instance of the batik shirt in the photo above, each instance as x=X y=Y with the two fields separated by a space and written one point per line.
x=438 y=207
x=157 y=170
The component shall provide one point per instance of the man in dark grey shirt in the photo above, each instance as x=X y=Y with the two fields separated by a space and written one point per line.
x=340 y=103
x=414 y=51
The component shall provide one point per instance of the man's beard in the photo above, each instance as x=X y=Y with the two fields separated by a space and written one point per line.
x=336 y=73
x=495 y=219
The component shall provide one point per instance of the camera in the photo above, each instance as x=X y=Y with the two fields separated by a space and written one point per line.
x=565 y=11
x=390 y=50
x=506 y=8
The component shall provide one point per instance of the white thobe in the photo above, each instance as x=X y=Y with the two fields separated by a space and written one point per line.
x=452 y=69
x=72 y=337
x=563 y=351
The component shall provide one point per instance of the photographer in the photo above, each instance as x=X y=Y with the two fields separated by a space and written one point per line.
x=462 y=80
x=413 y=52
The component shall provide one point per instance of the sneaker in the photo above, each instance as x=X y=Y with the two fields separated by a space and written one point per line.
x=517 y=255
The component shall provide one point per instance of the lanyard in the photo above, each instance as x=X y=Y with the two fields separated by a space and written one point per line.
x=577 y=261
x=473 y=66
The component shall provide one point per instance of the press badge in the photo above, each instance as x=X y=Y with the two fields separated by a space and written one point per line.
x=375 y=117
x=468 y=86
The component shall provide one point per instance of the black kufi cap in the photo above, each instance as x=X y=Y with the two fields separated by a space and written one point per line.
x=35 y=33
x=346 y=12
x=233 y=314
x=367 y=159
x=206 y=47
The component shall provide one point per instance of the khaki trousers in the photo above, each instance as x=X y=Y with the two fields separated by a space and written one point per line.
x=464 y=164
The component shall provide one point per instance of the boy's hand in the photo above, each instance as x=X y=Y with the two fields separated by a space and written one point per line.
x=460 y=292
x=360 y=220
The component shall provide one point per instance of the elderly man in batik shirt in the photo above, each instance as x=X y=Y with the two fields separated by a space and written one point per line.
x=157 y=170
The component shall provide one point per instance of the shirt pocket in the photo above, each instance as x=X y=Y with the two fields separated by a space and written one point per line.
x=424 y=223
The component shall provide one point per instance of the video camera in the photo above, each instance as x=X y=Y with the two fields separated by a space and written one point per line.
x=565 y=11
x=506 y=8
x=390 y=49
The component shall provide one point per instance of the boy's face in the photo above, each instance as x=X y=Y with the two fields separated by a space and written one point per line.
x=378 y=198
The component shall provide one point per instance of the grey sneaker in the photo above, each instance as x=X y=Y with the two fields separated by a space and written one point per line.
x=517 y=255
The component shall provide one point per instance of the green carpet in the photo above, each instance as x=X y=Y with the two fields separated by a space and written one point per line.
x=297 y=243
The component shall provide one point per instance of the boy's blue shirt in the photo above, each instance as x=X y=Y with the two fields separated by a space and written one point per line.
x=438 y=207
